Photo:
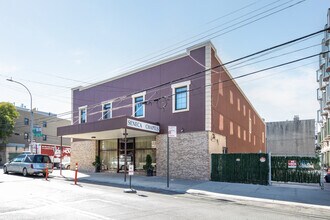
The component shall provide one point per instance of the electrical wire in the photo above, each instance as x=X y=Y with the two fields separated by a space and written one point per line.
x=233 y=61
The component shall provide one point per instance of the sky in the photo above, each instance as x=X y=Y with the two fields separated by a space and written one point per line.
x=53 y=46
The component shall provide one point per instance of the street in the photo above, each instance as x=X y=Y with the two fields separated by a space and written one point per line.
x=35 y=198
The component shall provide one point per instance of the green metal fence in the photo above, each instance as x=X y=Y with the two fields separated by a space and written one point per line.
x=240 y=168
x=295 y=169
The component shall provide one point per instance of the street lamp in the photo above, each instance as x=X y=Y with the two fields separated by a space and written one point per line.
x=31 y=117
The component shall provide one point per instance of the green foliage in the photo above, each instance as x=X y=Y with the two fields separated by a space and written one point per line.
x=8 y=116
x=240 y=168
x=281 y=171
x=97 y=162
x=148 y=165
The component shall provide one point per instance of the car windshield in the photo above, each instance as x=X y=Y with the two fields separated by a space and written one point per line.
x=41 y=159
x=19 y=158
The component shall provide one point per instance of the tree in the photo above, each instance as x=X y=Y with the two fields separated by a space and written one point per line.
x=8 y=116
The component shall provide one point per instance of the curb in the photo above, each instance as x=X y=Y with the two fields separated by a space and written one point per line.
x=123 y=185
x=195 y=192
x=245 y=198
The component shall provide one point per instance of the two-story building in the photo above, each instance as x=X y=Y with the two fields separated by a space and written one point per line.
x=192 y=91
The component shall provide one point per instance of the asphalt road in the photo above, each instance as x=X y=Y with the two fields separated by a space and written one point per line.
x=36 y=198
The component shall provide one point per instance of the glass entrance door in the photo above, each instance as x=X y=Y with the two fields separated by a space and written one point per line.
x=130 y=146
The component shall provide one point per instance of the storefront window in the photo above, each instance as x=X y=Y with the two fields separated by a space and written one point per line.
x=108 y=154
x=143 y=147
x=137 y=150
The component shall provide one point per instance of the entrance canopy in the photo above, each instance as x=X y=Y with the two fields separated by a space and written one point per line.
x=109 y=129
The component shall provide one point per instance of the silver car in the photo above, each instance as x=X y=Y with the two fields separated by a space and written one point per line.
x=29 y=164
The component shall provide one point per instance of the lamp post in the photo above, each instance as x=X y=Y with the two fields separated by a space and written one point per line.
x=31 y=116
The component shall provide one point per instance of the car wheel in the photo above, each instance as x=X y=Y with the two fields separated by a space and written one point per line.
x=25 y=173
x=68 y=167
x=5 y=170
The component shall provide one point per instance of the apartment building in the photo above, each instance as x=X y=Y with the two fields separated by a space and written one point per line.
x=192 y=91
x=323 y=96
x=45 y=129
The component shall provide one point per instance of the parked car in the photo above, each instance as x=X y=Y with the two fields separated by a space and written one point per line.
x=29 y=164
x=66 y=165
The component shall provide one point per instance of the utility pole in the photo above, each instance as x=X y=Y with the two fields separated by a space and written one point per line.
x=31 y=116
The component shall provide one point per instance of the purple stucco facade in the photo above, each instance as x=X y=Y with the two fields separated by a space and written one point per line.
x=121 y=89
x=212 y=117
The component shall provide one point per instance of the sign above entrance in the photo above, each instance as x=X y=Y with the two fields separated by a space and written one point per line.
x=142 y=125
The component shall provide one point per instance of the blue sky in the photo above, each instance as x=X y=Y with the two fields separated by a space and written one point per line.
x=52 y=46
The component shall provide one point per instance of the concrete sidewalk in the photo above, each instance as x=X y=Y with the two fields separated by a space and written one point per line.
x=280 y=193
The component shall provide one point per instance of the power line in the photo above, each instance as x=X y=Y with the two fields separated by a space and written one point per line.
x=228 y=80
x=197 y=73
x=220 y=30
x=208 y=36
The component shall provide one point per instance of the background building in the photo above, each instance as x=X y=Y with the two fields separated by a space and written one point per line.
x=211 y=113
x=323 y=96
x=45 y=126
x=291 y=138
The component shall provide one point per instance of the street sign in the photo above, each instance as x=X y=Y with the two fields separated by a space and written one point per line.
x=292 y=164
x=171 y=131
x=37 y=132
x=131 y=170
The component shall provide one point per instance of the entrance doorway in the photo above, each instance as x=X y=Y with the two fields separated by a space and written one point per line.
x=130 y=149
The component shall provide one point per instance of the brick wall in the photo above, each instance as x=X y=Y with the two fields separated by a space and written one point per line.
x=84 y=153
x=189 y=156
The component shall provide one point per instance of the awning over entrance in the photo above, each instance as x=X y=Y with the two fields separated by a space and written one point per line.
x=109 y=129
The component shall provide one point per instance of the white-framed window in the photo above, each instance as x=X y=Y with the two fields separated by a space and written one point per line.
x=83 y=114
x=138 y=109
x=106 y=110
x=180 y=96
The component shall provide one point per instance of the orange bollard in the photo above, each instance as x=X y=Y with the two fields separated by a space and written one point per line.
x=76 y=174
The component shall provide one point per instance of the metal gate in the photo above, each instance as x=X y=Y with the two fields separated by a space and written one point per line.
x=295 y=169
x=240 y=168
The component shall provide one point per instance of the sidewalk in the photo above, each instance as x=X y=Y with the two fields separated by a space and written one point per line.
x=281 y=193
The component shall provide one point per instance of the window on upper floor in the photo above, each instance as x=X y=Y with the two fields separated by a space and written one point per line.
x=180 y=97
x=44 y=137
x=239 y=131
x=231 y=97
x=221 y=125
x=231 y=128
x=26 y=135
x=44 y=124
x=238 y=104
x=138 y=105
x=82 y=114
x=26 y=121
x=106 y=110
